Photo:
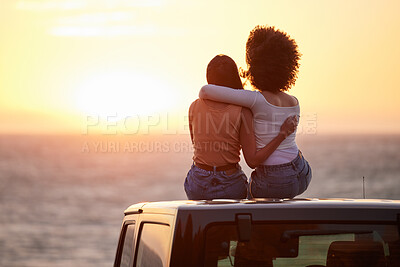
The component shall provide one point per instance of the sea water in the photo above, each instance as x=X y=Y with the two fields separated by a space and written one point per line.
x=62 y=197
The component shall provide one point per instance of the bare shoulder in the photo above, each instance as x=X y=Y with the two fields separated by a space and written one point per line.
x=280 y=99
x=192 y=106
x=194 y=103
x=290 y=100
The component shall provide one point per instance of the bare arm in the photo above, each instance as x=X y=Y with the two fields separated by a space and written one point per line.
x=247 y=139
x=190 y=116
x=238 y=97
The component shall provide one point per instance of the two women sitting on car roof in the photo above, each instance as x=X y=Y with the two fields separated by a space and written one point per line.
x=263 y=123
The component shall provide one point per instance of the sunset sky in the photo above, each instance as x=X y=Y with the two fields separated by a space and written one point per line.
x=64 y=60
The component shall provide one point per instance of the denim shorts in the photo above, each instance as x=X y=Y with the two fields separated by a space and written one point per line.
x=202 y=184
x=281 y=181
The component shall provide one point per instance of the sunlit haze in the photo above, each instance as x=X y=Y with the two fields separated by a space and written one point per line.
x=65 y=63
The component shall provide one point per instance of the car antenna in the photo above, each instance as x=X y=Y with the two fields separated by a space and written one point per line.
x=364 y=187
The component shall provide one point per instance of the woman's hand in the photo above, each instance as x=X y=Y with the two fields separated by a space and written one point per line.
x=289 y=126
x=256 y=157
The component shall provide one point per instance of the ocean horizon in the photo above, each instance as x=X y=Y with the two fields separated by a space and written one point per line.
x=62 y=197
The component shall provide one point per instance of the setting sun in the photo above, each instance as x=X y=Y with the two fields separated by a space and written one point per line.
x=121 y=94
x=65 y=59
x=96 y=115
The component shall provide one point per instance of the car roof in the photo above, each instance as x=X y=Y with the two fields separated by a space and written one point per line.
x=172 y=207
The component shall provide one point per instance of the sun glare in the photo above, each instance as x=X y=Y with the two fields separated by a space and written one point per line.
x=123 y=94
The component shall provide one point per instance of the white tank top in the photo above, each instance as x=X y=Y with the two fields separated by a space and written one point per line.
x=268 y=119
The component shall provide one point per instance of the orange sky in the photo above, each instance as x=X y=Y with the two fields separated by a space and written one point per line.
x=64 y=60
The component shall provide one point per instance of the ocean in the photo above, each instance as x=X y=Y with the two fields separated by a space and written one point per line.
x=62 y=197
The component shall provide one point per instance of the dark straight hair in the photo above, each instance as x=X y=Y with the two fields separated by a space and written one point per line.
x=222 y=70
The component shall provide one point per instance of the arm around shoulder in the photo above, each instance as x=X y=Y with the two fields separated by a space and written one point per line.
x=240 y=97
x=247 y=139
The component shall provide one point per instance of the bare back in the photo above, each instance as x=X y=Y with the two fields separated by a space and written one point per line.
x=280 y=99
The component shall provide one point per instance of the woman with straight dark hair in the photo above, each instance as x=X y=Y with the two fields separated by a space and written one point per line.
x=272 y=60
x=218 y=132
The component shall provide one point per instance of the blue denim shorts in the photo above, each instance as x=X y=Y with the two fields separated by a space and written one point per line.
x=281 y=181
x=202 y=184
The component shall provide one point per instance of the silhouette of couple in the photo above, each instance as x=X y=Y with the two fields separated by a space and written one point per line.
x=263 y=123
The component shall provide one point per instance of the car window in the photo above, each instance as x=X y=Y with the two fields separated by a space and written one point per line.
x=153 y=245
x=304 y=245
x=127 y=249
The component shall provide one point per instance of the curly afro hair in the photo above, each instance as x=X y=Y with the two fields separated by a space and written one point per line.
x=272 y=59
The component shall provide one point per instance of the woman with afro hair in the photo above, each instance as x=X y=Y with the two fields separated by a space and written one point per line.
x=218 y=132
x=272 y=59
